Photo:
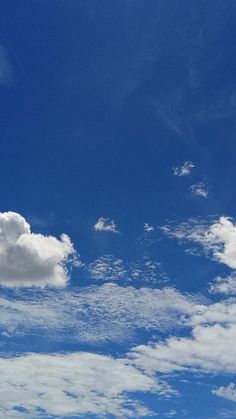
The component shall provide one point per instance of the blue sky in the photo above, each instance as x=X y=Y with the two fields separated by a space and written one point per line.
x=117 y=217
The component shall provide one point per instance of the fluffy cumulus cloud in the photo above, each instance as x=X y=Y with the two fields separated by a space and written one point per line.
x=72 y=385
x=228 y=392
x=183 y=170
x=29 y=259
x=105 y=224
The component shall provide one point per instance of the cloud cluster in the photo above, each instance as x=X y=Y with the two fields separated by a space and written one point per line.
x=105 y=224
x=183 y=170
x=28 y=259
x=72 y=385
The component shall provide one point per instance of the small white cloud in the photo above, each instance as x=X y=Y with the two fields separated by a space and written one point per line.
x=183 y=170
x=28 y=259
x=105 y=224
x=228 y=392
x=199 y=189
x=148 y=228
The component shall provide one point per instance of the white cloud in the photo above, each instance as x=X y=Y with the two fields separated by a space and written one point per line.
x=6 y=72
x=105 y=224
x=183 y=170
x=221 y=238
x=199 y=189
x=210 y=349
x=222 y=313
x=93 y=314
x=148 y=228
x=228 y=392
x=224 y=285
x=73 y=384
x=218 y=239
x=28 y=259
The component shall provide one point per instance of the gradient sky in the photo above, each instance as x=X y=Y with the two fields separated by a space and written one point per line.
x=117 y=217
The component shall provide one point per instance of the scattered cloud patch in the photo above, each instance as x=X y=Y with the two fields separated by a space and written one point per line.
x=224 y=285
x=183 y=170
x=148 y=228
x=73 y=384
x=228 y=392
x=28 y=259
x=105 y=224
x=199 y=189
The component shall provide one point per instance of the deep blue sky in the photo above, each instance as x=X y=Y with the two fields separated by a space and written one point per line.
x=99 y=101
